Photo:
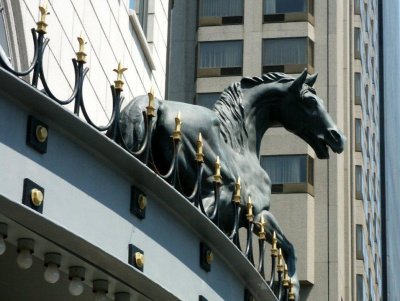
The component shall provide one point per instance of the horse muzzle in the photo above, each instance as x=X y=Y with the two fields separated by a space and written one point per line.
x=335 y=140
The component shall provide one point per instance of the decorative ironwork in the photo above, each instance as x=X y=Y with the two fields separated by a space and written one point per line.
x=282 y=287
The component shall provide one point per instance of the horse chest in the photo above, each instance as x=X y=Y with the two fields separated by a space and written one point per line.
x=256 y=182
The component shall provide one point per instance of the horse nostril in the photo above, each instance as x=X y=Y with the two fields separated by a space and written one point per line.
x=335 y=135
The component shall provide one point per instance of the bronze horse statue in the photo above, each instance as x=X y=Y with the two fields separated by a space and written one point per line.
x=233 y=130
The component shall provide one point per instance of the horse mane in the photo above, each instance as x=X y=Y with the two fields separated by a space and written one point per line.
x=230 y=110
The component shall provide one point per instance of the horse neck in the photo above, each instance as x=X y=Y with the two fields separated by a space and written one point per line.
x=262 y=110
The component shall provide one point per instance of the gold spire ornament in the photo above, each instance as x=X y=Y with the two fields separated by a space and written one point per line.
x=280 y=261
x=274 y=249
x=81 y=54
x=292 y=295
x=41 y=24
x=119 y=83
x=199 y=149
x=249 y=214
x=217 y=175
x=236 y=195
x=286 y=279
x=176 y=134
x=150 y=108
x=262 y=224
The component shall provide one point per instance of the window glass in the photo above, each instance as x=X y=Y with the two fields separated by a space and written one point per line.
x=287 y=169
x=373 y=108
x=286 y=51
x=221 y=8
x=357 y=88
x=358 y=143
x=224 y=54
x=357 y=9
x=357 y=43
x=3 y=34
x=284 y=6
x=371 y=286
x=360 y=288
x=359 y=242
x=366 y=95
x=140 y=7
x=359 y=182
x=366 y=16
x=207 y=99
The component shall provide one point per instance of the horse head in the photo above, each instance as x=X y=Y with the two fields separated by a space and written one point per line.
x=303 y=113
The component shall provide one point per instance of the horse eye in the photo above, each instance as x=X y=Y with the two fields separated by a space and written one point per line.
x=310 y=102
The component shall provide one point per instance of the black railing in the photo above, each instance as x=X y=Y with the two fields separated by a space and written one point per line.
x=282 y=287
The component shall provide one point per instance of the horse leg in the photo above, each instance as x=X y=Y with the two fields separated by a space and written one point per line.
x=288 y=251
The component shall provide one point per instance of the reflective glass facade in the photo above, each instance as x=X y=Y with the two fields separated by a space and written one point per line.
x=391 y=64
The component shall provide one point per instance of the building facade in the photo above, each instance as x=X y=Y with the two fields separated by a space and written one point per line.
x=113 y=31
x=330 y=210
x=82 y=215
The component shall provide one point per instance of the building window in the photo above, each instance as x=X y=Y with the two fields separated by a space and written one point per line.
x=288 y=10
x=3 y=33
x=207 y=99
x=360 y=288
x=357 y=43
x=359 y=182
x=367 y=142
x=141 y=8
x=366 y=16
x=359 y=242
x=369 y=228
x=290 y=173
x=220 y=12
x=289 y=55
x=357 y=8
x=357 y=88
x=358 y=133
x=222 y=58
x=373 y=108
x=366 y=94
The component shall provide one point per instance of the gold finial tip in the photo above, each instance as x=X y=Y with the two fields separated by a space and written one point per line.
x=280 y=252
x=238 y=180
x=43 y=5
x=81 y=37
x=200 y=138
x=43 y=10
x=178 y=115
x=249 y=200
x=120 y=69
x=217 y=160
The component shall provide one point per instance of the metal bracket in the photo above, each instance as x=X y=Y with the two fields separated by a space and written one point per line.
x=136 y=257
x=37 y=135
x=33 y=195
x=248 y=296
x=138 y=203
x=206 y=257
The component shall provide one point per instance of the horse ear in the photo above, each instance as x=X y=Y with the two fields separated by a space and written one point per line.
x=298 y=82
x=310 y=81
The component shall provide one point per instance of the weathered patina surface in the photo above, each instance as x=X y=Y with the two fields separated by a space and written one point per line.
x=233 y=130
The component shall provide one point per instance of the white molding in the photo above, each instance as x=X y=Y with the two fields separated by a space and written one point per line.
x=142 y=38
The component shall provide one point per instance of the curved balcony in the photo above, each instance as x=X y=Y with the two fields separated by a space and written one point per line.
x=87 y=182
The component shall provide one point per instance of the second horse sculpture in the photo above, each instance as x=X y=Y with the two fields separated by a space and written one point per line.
x=233 y=130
